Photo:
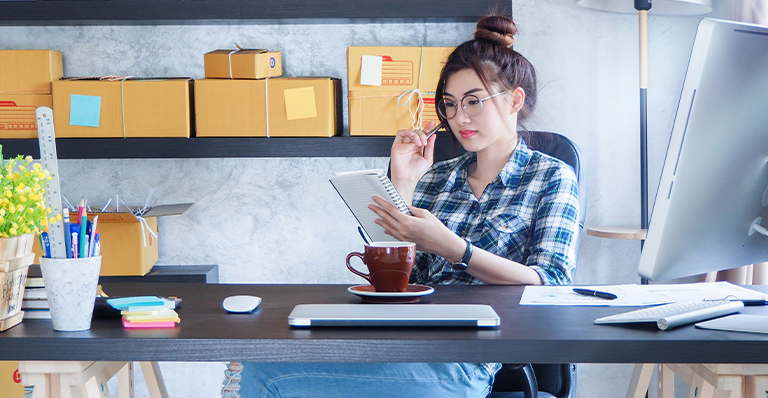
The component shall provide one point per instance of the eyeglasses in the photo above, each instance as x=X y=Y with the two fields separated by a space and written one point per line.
x=471 y=105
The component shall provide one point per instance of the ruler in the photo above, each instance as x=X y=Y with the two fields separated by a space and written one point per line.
x=50 y=162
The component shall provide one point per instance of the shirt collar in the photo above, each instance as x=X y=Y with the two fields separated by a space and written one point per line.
x=509 y=175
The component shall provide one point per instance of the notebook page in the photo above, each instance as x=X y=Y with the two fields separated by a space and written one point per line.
x=357 y=189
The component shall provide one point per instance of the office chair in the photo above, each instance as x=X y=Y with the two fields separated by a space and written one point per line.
x=535 y=380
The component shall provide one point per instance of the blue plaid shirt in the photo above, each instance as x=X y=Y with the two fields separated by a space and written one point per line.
x=528 y=214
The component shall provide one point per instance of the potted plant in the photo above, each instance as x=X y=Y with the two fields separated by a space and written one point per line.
x=23 y=214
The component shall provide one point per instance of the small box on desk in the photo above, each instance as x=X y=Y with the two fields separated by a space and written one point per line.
x=145 y=107
x=127 y=246
x=382 y=87
x=280 y=107
x=243 y=64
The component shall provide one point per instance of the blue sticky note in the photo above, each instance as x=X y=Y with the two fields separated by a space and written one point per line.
x=121 y=303
x=84 y=110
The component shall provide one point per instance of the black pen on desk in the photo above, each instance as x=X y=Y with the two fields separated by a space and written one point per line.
x=595 y=293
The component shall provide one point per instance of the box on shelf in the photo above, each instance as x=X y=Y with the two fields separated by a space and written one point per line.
x=29 y=71
x=382 y=83
x=297 y=106
x=243 y=64
x=17 y=114
x=142 y=107
x=127 y=248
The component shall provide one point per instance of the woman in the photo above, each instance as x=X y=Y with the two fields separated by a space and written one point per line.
x=500 y=214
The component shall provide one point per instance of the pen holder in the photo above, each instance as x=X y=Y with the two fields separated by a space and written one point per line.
x=70 y=284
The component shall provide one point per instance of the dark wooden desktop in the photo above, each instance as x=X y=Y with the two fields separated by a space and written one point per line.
x=539 y=334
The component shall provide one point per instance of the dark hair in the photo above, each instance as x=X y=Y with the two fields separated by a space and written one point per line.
x=491 y=56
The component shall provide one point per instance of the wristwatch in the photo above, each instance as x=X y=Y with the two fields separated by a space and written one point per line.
x=462 y=264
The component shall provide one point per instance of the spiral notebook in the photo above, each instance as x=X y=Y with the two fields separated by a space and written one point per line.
x=357 y=188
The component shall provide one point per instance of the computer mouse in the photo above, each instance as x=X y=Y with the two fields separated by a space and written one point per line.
x=241 y=303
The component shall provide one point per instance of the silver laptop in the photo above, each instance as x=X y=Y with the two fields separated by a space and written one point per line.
x=466 y=315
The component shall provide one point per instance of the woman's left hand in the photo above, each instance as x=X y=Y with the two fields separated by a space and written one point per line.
x=421 y=227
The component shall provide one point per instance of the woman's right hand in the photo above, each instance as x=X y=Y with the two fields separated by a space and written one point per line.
x=411 y=156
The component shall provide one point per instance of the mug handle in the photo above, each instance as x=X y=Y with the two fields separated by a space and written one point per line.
x=354 y=271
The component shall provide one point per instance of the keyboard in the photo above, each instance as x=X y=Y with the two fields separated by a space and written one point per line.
x=668 y=316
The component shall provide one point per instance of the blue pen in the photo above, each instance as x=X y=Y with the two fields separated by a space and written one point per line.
x=67 y=232
x=97 y=244
x=47 y=244
x=362 y=233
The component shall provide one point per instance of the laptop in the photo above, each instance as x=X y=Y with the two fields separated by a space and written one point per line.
x=464 y=315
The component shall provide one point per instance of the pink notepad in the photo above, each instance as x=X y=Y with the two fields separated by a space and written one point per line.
x=148 y=325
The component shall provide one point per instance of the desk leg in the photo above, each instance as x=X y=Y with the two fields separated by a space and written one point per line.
x=641 y=377
x=666 y=377
x=125 y=381
x=154 y=379
x=41 y=381
x=756 y=386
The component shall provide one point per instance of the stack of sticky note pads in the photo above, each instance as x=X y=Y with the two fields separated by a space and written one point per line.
x=145 y=312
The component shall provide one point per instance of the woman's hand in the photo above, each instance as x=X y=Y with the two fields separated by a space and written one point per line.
x=421 y=227
x=411 y=157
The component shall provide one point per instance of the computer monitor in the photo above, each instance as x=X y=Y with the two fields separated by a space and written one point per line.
x=714 y=183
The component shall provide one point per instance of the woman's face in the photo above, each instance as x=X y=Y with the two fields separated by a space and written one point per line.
x=496 y=122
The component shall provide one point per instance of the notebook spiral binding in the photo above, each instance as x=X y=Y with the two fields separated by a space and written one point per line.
x=393 y=194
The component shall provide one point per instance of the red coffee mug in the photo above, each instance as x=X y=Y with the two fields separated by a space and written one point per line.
x=389 y=265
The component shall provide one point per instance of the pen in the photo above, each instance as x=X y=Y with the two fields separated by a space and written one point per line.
x=92 y=236
x=362 y=233
x=595 y=293
x=75 y=230
x=67 y=233
x=434 y=130
x=46 y=244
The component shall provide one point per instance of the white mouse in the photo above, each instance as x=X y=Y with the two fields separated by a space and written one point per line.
x=241 y=303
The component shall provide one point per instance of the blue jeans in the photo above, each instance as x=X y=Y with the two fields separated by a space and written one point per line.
x=366 y=380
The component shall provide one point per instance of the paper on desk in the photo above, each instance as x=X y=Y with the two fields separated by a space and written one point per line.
x=637 y=295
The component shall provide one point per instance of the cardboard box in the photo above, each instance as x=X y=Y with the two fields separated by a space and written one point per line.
x=10 y=380
x=297 y=106
x=29 y=71
x=243 y=64
x=381 y=81
x=122 y=109
x=127 y=248
x=17 y=114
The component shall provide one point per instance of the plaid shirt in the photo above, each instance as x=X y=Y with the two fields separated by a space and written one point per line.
x=528 y=214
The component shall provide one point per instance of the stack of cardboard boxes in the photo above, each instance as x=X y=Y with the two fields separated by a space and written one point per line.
x=242 y=95
x=25 y=84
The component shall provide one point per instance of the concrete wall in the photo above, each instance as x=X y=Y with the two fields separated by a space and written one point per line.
x=271 y=220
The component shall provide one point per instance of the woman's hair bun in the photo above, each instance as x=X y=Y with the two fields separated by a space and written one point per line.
x=496 y=29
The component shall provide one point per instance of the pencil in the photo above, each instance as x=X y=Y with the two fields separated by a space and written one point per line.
x=83 y=219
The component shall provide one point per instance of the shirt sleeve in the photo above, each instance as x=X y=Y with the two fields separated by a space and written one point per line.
x=556 y=228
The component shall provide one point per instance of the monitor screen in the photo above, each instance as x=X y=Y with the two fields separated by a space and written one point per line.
x=714 y=182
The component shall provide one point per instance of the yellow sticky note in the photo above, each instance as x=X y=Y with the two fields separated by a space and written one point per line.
x=300 y=103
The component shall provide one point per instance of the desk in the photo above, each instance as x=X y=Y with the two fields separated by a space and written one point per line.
x=534 y=334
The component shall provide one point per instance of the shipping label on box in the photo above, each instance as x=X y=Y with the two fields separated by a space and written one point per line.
x=17 y=114
x=29 y=71
x=280 y=107
x=129 y=244
x=392 y=88
x=243 y=64
x=122 y=109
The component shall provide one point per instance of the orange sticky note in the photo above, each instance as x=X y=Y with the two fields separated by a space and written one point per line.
x=300 y=103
